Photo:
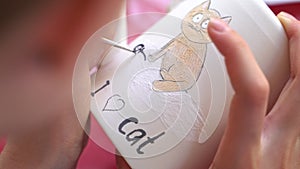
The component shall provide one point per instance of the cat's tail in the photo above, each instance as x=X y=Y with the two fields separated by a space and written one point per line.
x=170 y=86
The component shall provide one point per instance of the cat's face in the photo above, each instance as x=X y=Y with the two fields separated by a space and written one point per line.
x=195 y=23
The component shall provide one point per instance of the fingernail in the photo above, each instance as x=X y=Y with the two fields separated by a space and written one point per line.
x=218 y=25
x=286 y=17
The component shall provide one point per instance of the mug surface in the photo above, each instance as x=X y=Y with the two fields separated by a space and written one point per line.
x=166 y=105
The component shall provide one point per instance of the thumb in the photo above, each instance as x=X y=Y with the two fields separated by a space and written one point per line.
x=292 y=28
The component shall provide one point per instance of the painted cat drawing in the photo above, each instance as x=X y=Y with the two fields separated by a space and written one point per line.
x=184 y=56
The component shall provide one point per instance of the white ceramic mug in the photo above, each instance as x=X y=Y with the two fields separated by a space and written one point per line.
x=156 y=123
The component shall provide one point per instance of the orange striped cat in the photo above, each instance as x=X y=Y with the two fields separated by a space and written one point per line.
x=184 y=56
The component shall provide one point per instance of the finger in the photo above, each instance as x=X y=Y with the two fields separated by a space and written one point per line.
x=120 y=161
x=285 y=113
x=292 y=28
x=249 y=83
x=284 y=116
x=248 y=108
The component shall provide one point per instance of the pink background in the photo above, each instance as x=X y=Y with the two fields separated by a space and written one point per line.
x=94 y=157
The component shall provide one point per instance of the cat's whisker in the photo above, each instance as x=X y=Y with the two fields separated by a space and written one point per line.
x=115 y=44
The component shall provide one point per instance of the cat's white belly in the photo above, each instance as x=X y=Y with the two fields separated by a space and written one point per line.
x=175 y=108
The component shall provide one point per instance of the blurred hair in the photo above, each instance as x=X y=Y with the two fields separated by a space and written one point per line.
x=13 y=10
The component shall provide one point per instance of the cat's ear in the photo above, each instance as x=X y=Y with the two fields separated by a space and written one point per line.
x=227 y=19
x=206 y=4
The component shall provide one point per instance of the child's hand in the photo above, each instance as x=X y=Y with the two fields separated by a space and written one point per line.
x=255 y=138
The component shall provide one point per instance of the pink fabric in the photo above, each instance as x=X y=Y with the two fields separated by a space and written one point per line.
x=293 y=8
x=139 y=21
x=141 y=6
